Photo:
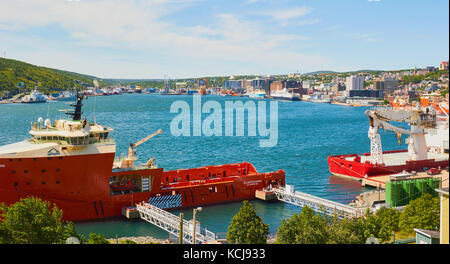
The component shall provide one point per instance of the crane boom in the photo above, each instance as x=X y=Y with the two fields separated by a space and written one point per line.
x=417 y=117
x=145 y=139
x=128 y=162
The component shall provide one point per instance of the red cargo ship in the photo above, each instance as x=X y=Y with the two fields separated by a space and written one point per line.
x=71 y=163
x=427 y=144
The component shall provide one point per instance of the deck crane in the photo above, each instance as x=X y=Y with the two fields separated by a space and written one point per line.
x=417 y=117
x=128 y=162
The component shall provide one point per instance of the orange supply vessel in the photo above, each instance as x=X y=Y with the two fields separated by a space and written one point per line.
x=71 y=163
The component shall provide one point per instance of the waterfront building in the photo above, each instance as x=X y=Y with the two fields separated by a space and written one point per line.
x=430 y=69
x=233 y=85
x=354 y=83
x=366 y=93
x=387 y=84
x=307 y=84
x=180 y=85
x=262 y=84
x=276 y=86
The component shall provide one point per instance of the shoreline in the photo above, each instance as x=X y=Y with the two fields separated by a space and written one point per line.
x=139 y=240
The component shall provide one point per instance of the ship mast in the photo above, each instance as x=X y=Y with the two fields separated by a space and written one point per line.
x=77 y=113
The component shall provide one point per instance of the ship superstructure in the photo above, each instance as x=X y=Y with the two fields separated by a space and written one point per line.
x=285 y=95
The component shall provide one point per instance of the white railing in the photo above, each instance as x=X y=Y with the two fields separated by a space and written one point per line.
x=318 y=204
x=171 y=224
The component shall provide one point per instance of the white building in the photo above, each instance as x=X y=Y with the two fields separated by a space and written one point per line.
x=354 y=83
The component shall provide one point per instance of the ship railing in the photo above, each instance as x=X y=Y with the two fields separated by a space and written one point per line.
x=203 y=181
x=171 y=224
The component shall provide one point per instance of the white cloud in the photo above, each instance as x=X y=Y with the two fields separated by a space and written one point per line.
x=286 y=14
x=140 y=26
x=366 y=37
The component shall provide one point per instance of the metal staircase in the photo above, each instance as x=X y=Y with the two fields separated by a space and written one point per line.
x=171 y=224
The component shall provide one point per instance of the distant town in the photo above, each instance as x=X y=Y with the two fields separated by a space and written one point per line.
x=360 y=88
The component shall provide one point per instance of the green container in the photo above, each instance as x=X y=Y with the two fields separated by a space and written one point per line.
x=391 y=193
x=397 y=191
x=400 y=193
x=405 y=193
x=388 y=193
x=434 y=184
x=420 y=186
x=415 y=192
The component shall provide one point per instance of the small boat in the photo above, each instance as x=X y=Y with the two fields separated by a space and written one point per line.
x=258 y=94
x=34 y=97
x=320 y=98
x=67 y=96
x=285 y=95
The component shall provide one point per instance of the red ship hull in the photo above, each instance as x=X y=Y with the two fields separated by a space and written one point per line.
x=352 y=167
x=80 y=185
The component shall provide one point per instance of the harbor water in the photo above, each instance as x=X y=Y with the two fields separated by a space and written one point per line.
x=307 y=134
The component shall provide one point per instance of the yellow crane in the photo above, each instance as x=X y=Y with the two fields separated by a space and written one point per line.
x=128 y=162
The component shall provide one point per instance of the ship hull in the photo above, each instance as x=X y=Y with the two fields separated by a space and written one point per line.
x=357 y=166
x=80 y=185
x=286 y=98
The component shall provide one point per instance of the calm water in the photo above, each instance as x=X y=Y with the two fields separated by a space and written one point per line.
x=308 y=133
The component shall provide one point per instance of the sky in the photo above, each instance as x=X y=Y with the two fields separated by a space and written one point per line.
x=139 y=39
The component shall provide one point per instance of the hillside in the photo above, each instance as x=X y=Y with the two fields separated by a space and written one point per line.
x=13 y=73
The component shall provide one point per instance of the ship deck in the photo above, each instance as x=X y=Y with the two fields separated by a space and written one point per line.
x=400 y=158
x=23 y=146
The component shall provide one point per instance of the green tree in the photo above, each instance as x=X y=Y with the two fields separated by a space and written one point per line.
x=346 y=231
x=32 y=221
x=423 y=212
x=246 y=227
x=303 y=228
x=382 y=224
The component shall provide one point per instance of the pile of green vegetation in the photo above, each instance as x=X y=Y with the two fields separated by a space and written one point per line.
x=431 y=76
x=17 y=76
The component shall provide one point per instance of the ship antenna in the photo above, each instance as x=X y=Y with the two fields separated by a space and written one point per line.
x=77 y=113
x=48 y=108
x=95 y=101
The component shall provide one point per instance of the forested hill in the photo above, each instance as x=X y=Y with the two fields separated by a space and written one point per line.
x=13 y=73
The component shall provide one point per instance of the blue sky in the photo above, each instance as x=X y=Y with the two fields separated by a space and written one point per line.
x=194 y=38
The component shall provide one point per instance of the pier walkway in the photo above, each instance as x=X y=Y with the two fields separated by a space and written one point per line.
x=320 y=205
x=171 y=224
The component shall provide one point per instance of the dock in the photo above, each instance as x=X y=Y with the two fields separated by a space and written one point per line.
x=289 y=195
x=379 y=182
